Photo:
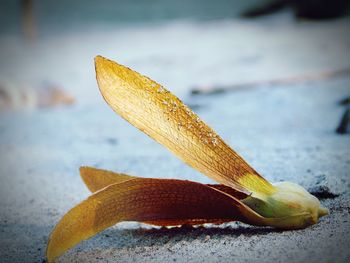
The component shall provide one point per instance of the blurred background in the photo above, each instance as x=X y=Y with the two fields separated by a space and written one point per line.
x=49 y=46
x=272 y=77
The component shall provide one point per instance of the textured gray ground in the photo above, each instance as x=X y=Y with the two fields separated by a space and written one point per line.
x=286 y=133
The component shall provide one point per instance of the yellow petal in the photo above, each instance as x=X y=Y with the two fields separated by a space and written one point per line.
x=156 y=201
x=161 y=115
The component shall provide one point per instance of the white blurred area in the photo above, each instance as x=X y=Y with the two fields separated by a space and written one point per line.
x=179 y=53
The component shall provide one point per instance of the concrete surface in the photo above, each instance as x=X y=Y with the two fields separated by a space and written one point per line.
x=286 y=133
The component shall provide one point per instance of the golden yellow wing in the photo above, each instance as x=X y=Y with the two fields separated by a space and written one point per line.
x=162 y=116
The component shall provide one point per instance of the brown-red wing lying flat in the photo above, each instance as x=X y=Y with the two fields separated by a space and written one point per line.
x=161 y=115
x=95 y=179
x=228 y=190
x=157 y=201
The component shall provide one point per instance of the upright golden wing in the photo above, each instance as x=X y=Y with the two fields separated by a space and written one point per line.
x=162 y=116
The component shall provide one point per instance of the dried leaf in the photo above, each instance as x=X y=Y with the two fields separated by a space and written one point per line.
x=156 y=201
x=161 y=115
